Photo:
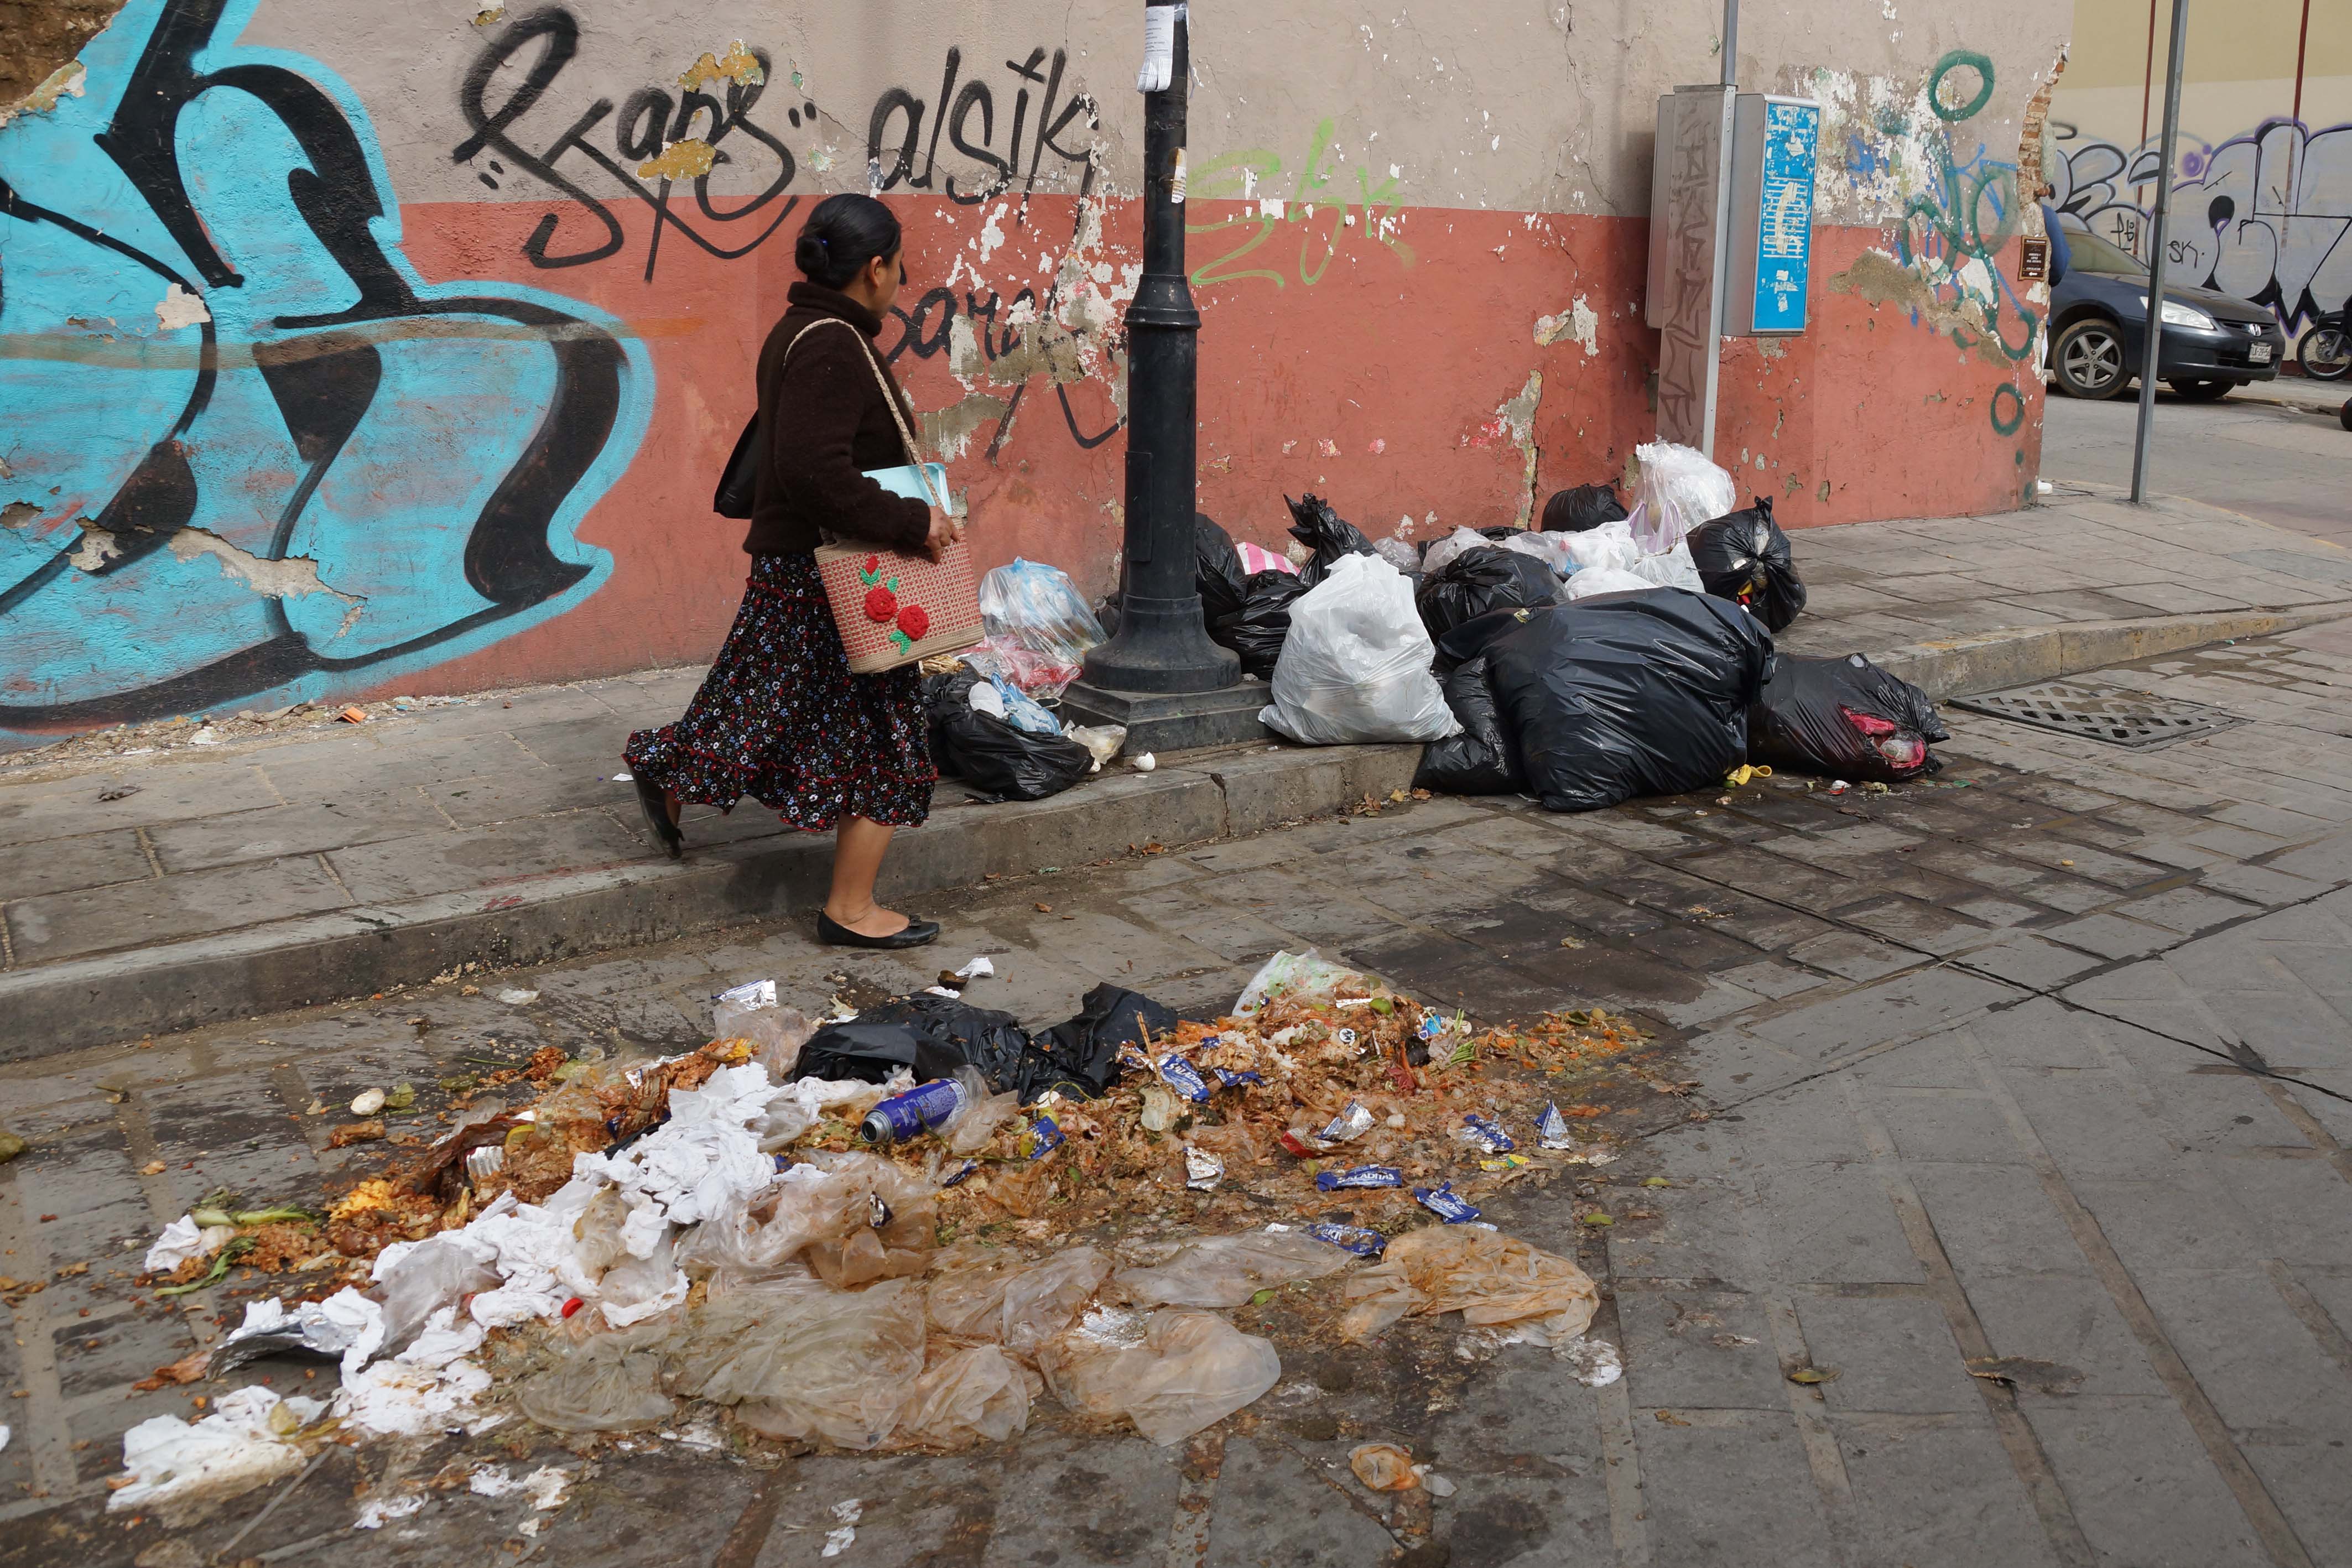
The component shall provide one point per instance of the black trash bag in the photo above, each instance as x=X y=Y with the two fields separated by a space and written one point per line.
x=1081 y=1057
x=1217 y=570
x=1585 y=507
x=990 y=754
x=1481 y=760
x=1482 y=580
x=1626 y=694
x=1315 y=525
x=1844 y=719
x=992 y=1042
x=871 y=1048
x=1257 y=633
x=1744 y=557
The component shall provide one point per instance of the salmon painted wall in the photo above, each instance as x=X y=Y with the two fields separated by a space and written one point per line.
x=346 y=351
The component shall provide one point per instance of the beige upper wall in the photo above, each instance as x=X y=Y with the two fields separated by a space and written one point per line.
x=2238 y=69
x=1518 y=105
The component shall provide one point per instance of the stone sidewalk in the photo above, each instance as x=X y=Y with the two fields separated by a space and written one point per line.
x=2021 y=1099
x=216 y=872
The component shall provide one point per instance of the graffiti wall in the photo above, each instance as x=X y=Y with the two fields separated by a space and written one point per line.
x=2262 y=169
x=349 y=349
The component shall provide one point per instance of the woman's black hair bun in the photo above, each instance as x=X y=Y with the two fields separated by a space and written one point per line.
x=842 y=234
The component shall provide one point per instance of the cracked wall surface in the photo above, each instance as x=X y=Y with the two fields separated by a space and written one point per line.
x=416 y=372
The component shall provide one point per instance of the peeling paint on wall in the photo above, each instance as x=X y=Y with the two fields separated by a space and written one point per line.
x=688 y=160
x=1579 y=322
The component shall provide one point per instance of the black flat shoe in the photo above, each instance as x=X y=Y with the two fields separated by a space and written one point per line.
x=655 y=806
x=917 y=933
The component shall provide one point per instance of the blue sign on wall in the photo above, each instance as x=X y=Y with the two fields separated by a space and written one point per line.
x=1784 y=218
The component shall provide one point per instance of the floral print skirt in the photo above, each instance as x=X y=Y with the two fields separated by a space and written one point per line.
x=781 y=718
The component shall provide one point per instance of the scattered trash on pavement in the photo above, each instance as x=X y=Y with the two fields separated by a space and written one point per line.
x=865 y=1231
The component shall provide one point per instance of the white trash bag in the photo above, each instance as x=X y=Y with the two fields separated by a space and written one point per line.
x=1355 y=665
x=1608 y=546
x=1595 y=579
x=1682 y=489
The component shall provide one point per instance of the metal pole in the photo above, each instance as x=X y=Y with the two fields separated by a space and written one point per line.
x=2154 y=333
x=1730 y=43
x=1161 y=645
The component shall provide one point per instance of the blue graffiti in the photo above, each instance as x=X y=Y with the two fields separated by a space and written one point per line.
x=249 y=454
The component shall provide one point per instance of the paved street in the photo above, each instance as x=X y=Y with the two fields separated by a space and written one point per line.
x=2022 y=1099
x=2277 y=451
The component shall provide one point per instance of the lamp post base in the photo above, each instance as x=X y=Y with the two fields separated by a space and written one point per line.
x=1172 y=721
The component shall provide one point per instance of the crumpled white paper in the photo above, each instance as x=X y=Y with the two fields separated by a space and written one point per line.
x=240 y=1446
x=183 y=1239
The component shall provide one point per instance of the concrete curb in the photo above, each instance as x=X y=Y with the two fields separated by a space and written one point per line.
x=299 y=962
x=1989 y=661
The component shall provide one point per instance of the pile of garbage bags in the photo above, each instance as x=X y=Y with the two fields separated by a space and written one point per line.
x=990 y=721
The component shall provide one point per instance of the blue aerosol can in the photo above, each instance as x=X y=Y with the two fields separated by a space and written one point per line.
x=925 y=1108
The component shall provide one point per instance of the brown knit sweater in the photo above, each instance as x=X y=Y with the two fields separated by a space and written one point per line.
x=826 y=425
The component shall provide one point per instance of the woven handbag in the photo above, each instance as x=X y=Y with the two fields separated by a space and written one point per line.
x=894 y=607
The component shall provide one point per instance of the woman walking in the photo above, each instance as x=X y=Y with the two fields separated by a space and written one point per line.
x=780 y=717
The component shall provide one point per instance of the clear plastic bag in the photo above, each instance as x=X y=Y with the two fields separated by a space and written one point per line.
x=1398 y=553
x=1186 y=1372
x=825 y=1215
x=1441 y=555
x=1487 y=1277
x=438 y=1272
x=1673 y=568
x=1682 y=489
x=776 y=1033
x=611 y=1383
x=1103 y=742
x=1037 y=607
x=1227 y=1270
x=1550 y=549
x=1595 y=579
x=1287 y=975
x=799 y=1359
x=1355 y=665
x=1019 y=1307
x=974 y=1396
x=1606 y=545
x=999 y=694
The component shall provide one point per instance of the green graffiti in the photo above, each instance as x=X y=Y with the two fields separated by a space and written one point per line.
x=1242 y=176
x=2007 y=426
x=1944 y=68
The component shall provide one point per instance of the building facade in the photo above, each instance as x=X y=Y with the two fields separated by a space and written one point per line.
x=354 y=348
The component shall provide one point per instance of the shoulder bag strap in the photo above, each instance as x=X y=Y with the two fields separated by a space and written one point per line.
x=898 y=414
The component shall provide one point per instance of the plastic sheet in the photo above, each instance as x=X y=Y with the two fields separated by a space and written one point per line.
x=824 y=1216
x=1329 y=538
x=439 y=1271
x=1355 y=668
x=346 y=1327
x=1227 y=1270
x=1585 y=506
x=1400 y=554
x=1551 y=549
x=1681 y=488
x=1610 y=698
x=1186 y=1371
x=607 y=1382
x=951 y=1032
x=978 y=1395
x=1489 y=1278
x=1037 y=607
x=801 y=1360
x=1041 y=676
x=1257 y=557
x=1080 y=1055
x=1744 y=557
x=1019 y=1307
x=1484 y=760
x=1673 y=568
x=1843 y=719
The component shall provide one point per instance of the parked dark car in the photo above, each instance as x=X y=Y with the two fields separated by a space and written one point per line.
x=2212 y=342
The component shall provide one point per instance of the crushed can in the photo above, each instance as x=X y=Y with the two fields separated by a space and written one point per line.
x=925 y=1108
x=1362 y=1175
x=1487 y=1134
x=1352 y=1122
x=1184 y=1078
x=1441 y=1201
x=1352 y=1238
x=1202 y=1170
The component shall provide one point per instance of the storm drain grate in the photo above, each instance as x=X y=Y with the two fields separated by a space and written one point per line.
x=2116 y=717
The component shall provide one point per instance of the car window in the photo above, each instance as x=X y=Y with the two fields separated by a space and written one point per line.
x=2086 y=252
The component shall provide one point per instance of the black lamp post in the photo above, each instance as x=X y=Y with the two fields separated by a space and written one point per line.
x=1160 y=674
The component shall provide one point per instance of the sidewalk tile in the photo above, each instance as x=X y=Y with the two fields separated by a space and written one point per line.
x=61 y=865
x=145 y=913
x=452 y=859
x=1731 y=1496
x=1711 y=1350
x=359 y=817
x=1933 y=1496
x=1833 y=1223
x=1894 y=1355
x=2139 y=1483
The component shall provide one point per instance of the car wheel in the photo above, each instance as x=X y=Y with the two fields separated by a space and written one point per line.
x=2088 y=359
x=2202 y=391
x=2325 y=354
